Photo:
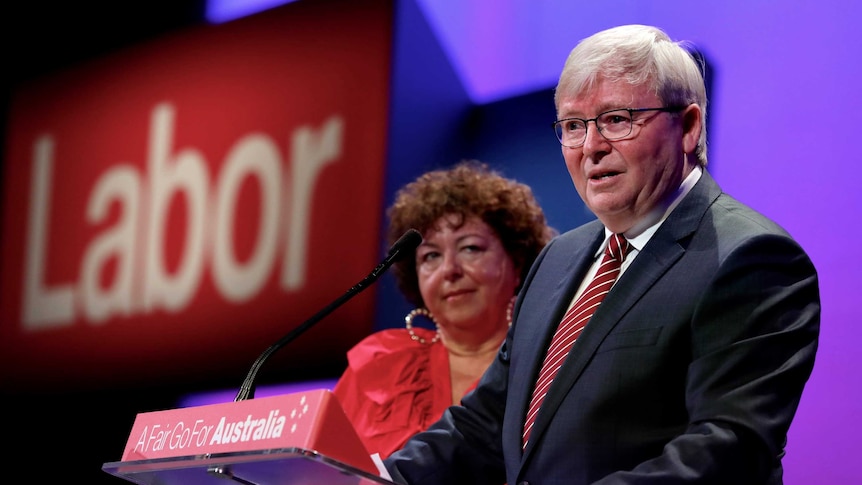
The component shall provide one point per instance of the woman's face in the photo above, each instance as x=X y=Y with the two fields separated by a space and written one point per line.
x=465 y=275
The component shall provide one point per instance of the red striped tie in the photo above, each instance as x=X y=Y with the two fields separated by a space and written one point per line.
x=573 y=322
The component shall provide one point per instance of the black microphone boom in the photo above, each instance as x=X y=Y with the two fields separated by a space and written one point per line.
x=407 y=242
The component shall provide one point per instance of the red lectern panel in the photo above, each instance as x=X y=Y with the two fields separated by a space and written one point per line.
x=300 y=438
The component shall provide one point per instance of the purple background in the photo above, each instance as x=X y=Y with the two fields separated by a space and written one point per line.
x=784 y=126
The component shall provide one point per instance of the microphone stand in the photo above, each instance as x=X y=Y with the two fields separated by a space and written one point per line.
x=409 y=240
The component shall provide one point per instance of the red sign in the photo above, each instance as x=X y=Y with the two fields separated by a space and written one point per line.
x=173 y=209
x=311 y=420
x=242 y=440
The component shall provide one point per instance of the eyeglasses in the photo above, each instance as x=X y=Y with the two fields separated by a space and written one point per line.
x=613 y=125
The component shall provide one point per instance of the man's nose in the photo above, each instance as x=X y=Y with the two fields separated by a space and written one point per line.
x=594 y=142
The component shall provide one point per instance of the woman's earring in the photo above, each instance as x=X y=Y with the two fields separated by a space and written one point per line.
x=408 y=322
x=509 y=308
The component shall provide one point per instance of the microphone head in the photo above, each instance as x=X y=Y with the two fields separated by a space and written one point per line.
x=407 y=242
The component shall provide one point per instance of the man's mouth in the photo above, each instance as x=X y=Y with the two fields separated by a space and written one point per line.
x=603 y=175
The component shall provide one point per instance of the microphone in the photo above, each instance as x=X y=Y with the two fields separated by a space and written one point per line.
x=407 y=242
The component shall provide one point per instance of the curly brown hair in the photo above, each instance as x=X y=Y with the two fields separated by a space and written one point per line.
x=470 y=188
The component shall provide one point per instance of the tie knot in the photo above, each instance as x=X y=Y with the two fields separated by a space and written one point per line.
x=618 y=247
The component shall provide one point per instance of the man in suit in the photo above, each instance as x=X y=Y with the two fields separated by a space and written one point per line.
x=692 y=367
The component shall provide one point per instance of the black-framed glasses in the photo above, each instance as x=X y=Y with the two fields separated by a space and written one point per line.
x=615 y=124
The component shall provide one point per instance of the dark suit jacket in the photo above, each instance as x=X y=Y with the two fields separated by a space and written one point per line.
x=690 y=371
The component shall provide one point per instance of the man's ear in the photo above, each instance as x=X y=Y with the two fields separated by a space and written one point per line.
x=692 y=125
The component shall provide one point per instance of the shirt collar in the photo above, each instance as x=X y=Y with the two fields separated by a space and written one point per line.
x=643 y=230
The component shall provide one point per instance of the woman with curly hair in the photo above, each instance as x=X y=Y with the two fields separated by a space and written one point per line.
x=481 y=232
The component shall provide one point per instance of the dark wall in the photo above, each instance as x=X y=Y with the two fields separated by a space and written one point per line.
x=44 y=37
x=71 y=434
x=41 y=37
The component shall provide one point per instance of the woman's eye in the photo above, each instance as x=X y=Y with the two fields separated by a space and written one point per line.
x=429 y=256
x=472 y=249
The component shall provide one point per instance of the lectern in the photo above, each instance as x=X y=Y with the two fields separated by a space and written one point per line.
x=302 y=438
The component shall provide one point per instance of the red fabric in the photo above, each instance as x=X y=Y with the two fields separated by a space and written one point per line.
x=394 y=387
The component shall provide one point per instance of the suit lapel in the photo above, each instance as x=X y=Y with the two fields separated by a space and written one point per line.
x=546 y=300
